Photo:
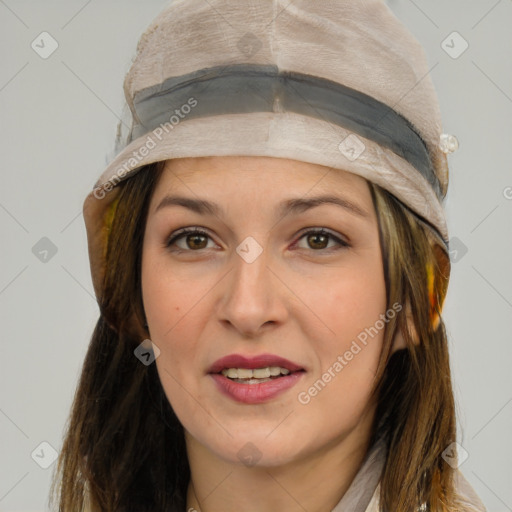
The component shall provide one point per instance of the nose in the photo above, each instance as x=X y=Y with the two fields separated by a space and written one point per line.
x=253 y=295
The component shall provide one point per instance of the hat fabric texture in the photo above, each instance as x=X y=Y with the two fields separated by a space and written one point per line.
x=337 y=83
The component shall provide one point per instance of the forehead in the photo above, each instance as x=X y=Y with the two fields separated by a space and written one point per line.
x=262 y=174
x=215 y=185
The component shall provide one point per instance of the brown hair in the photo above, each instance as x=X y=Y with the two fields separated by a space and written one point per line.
x=416 y=410
x=124 y=447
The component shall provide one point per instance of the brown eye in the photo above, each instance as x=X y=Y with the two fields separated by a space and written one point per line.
x=318 y=240
x=194 y=240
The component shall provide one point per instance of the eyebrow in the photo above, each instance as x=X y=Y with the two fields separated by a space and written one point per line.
x=287 y=207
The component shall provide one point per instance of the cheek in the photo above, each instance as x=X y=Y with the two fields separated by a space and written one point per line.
x=342 y=306
x=167 y=297
x=174 y=309
x=347 y=338
x=338 y=391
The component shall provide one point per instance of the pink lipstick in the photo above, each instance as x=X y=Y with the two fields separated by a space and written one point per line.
x=256 y=379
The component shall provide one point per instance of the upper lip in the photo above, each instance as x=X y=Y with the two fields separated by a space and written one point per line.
x=259 y=361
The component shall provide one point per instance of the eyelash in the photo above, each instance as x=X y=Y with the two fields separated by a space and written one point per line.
x=197 y=231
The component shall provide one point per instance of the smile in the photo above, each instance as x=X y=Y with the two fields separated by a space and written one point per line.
x=254 y=376
x=254 y=379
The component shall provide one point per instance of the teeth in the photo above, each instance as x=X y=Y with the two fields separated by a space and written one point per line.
x=243 y=373
x=250 y=381
x=232 y=373
x=275 y=370
x=258 y=373
x=261 y=373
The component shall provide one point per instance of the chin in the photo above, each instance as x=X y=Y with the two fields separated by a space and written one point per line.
x=256 y=451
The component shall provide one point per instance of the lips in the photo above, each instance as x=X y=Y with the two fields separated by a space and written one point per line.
x=259 y=361
x=249 y=390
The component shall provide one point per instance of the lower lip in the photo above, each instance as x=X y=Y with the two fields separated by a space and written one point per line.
x=255 y=393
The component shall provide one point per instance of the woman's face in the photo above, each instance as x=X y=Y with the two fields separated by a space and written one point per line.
x=260 y=286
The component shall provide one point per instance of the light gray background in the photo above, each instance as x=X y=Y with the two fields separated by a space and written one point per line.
x=58 y=119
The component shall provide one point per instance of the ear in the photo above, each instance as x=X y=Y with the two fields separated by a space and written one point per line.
x=399 y=339
x=438 y=284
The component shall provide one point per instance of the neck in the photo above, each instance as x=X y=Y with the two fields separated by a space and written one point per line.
x=301 y=484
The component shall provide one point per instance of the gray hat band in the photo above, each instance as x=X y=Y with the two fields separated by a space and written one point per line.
x=247 y=88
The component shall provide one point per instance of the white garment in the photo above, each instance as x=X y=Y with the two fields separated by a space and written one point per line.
x=363 y=493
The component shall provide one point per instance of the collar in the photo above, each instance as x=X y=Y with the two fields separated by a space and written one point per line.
x=362 y=495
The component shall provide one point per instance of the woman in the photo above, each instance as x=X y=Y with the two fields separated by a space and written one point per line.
x=269 y=252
